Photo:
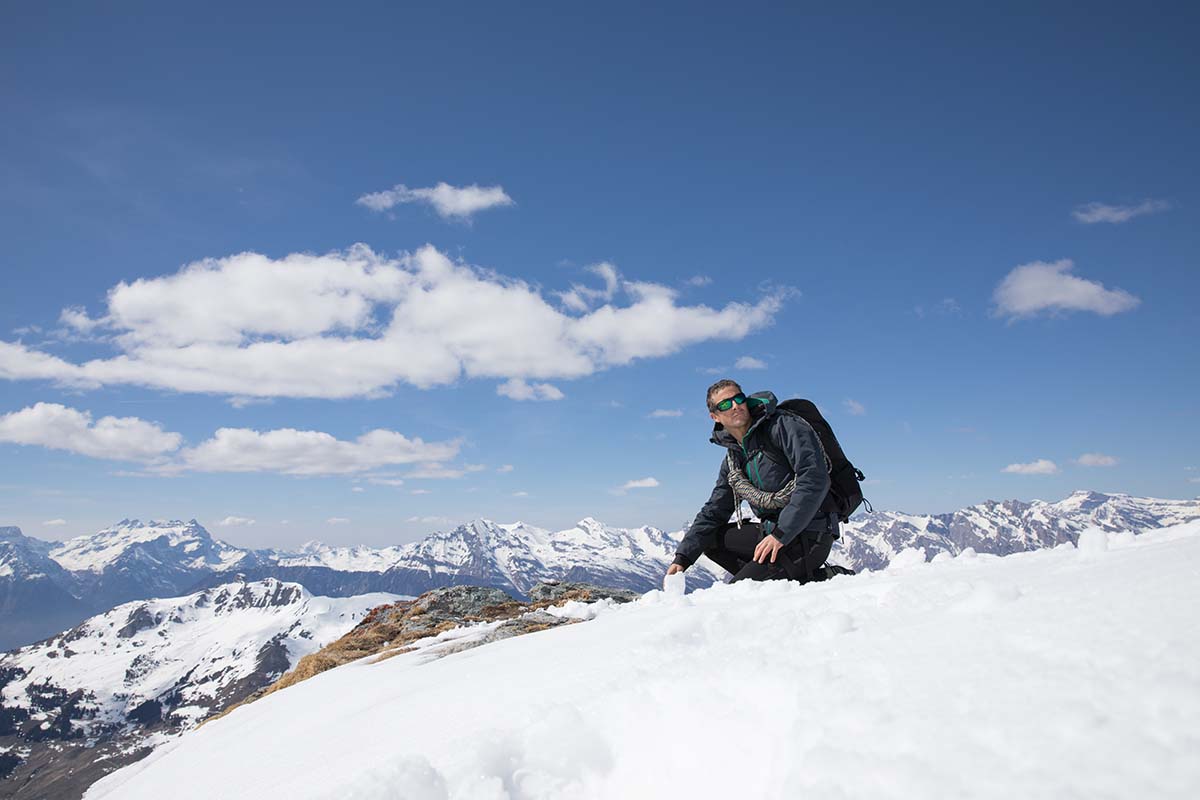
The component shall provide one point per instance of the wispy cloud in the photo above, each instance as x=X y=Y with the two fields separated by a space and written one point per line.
x=664 y=413
x=54 y=523
x=236 y=522
x=1042 y=286
x=357 y=324
x=436 y=472
x=947 y=306
x=1092 y=213
x=450 y=202
x=854 y=407
x=504 y=468
x=520 y=494
x=1096 y=460
x=640 y=483
x=337 y=521
x=750 y=362
x=698 y=280
x=1042 y=466
x=518 y=389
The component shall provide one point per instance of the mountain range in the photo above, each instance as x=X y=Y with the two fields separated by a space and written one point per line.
x=99 y=695
x=48 y=586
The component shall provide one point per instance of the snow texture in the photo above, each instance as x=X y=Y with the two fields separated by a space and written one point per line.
x=1063 y=672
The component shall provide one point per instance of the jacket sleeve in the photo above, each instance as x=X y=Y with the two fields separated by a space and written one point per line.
x=715 y=514
x=802 y=448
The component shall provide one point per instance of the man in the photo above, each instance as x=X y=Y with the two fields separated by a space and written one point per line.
x=773 y=450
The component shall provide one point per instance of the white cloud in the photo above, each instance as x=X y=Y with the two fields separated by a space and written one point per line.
x=698 y=280
x=357 y=489
x=1193 y=480
x=750 y=362
x=420 y=491
x=520 y=494
x=1040 y=467
x=61 y=428
x=476 y=467
x=518 y=389
x=78 y=320
x=435 y=472
x=236 y=522
x=450 y=202
x=1096 y=460
x=54 y=523
x=1042 y=286
x=505 y=468
x=1102 y=212
x=337 y=521
x=294 y=452
x=641 y=483
x=660 y=413
x=581 y=298
x=357 y=324
x=385 y=480
x=434 y=520
x=854 y=407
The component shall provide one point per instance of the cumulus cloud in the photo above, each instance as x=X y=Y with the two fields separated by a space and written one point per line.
x=750 y=362
x=236 y=522
x=661 y=413
x=1092 y=213
x=854 y=407
x=504 y=468
x=60 y=428
x=54 y=523
x=295 y=452
x=357 y=324
x=698 y=280
x=1096 y=460
x=450 y=202
x=1042 y=286
x=518 y=389
x=1042 y=466
x=581 y=298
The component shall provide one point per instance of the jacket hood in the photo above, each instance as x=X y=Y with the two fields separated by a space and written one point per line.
x=761 y=404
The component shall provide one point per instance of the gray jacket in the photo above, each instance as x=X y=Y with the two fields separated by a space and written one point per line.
x=777 y=446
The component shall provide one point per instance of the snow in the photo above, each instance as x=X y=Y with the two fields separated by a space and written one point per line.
x=1062 y=672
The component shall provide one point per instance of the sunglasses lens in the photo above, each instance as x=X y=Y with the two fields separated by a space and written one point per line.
x=728 y=402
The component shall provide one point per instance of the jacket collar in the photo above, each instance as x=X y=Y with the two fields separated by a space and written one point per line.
x=762 y=406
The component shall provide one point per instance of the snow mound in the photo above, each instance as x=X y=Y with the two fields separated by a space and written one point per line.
x=1057 y=673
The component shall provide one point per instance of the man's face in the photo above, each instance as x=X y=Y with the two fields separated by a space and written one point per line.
x=738 y=415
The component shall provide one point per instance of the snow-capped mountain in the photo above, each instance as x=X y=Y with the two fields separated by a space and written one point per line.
x=146 y=670
x=870 y=541
x=134 y=560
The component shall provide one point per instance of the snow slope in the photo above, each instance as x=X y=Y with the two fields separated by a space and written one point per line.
x=1066 y=672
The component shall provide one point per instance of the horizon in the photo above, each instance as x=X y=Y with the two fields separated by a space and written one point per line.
x=356 y=275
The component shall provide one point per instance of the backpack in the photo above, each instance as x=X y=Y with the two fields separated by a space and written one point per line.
x=844 y=477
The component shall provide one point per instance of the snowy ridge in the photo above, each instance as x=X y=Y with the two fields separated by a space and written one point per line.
x=181 y=654
x=870 y=541
x=188 y=542
x=1069 y=671
x=149 y=670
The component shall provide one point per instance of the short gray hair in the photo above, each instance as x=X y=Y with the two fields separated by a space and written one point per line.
x=718 y=386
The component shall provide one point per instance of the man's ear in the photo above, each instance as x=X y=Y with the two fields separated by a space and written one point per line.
x=714 y=417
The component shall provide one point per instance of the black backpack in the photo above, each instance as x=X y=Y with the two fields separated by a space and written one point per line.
x=844 y=478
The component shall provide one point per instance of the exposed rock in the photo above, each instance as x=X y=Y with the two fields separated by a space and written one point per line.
x=391 y=630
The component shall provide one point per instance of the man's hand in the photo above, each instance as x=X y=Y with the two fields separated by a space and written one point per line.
x=769 y=546
x=671 y=570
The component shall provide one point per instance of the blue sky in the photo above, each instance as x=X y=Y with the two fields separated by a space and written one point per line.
x=970 y=235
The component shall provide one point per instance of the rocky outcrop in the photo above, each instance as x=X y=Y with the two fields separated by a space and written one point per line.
x=394 y=629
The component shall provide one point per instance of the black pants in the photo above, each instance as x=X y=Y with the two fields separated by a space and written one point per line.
x=734 y=550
